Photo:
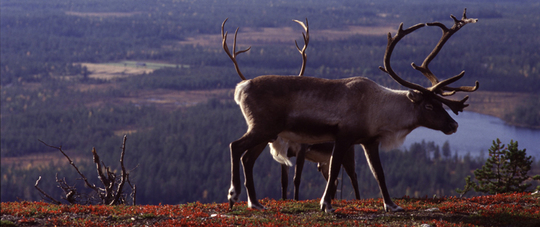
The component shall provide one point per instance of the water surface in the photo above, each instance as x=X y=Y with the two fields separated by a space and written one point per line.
x=476 y=133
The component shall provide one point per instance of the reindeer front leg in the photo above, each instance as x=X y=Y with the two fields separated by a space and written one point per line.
x=248 y=161
x=340 y=150
x=248 y=144
x=234 y=190
x=372 y=155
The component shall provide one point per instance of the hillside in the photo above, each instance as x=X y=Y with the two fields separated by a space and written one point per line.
x=45 y=40
x=521 y=209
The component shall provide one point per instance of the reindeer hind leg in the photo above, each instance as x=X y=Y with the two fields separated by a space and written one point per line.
x=349 y=166
x=339 y=152
x=300 y=159
x=284 y=181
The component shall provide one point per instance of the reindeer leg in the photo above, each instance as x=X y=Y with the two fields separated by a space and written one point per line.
x=324 y=168
x=372 y=155
x=238 y=148
x=300 y=159
x=284 y=181
x=248 y=160
x=349 y=166
x=235 y=189
x=340 y=149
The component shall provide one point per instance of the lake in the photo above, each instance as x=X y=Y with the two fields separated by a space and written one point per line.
x=476 y=133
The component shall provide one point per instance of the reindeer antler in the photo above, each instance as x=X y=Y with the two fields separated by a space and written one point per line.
x=392 y=41
x=306 y=42
x=438 y=87
x=234 y=53
x=447 y=33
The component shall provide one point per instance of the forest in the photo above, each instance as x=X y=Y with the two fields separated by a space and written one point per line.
x=180 y=154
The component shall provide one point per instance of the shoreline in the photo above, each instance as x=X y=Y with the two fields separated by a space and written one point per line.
x=497 y=104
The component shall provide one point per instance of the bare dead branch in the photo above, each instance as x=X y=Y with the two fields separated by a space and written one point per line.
x=133 y=190
x=72 y=164
x=45 y=194
x=104 y=180
x=68 y=190
x=123 y=173
x=106 y=195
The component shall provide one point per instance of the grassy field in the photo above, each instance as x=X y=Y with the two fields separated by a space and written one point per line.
x=143 y=64
x=286 y=35
x=517 y=209
x=113 y=70
x=496 y=104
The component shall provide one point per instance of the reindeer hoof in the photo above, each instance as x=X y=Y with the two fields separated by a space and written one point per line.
x=256 y=206
x=327 y=208
x=393 y=208
x=233 y=197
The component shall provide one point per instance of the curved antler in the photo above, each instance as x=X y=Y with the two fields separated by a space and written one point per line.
x=392 y=41
x=424 y=68
x=438 y=87
x=234 y=53
x=306 y=42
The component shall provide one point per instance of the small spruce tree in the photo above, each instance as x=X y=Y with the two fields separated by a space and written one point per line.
x=504 y=171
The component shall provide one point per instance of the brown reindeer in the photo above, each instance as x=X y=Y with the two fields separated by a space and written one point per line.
x=349 y=111
x=319 y=153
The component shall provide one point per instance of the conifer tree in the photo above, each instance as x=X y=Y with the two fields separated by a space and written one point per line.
x=504 y=171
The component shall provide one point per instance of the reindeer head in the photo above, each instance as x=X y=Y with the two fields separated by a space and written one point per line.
x=430 y=100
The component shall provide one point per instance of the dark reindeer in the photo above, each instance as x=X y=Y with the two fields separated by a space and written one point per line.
x=319 y=153
x=349 y=111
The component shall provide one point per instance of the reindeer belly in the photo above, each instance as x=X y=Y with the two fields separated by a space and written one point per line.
x=306 y=138
x=319 y=155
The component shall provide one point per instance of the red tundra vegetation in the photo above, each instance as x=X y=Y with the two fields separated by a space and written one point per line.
x=515 y=209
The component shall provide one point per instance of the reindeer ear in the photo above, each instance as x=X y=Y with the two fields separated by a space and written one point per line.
x=415 y=96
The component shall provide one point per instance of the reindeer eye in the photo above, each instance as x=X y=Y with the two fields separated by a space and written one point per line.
x=429 y=107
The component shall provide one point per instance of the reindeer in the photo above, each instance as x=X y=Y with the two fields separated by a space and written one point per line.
x=319 y=153
x=346 y=111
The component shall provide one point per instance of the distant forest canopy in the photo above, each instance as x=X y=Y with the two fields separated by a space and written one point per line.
x=183 y=157
x=44 y=39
